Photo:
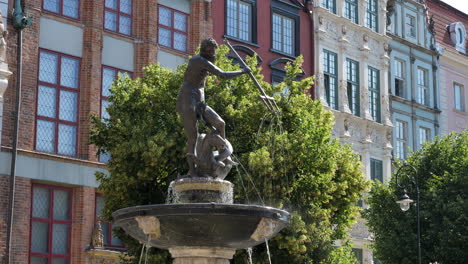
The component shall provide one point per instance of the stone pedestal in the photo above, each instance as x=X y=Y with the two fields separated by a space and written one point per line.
x=202 y=255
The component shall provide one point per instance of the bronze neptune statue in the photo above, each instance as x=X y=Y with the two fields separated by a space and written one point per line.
x=191 y=106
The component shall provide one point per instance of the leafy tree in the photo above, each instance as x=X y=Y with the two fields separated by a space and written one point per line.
x=287 y=161
x=442 y=171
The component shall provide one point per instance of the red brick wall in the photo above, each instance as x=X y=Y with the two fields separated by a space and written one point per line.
x=83 y=222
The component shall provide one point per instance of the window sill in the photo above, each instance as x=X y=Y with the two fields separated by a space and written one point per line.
x=242 y=41
x=121 y=36
x=284 y=54
x=460 y=112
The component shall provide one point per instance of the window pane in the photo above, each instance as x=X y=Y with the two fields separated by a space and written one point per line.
x=69 y=72
x=45 y=136
x=60 y=239
x=244 y=21
x=105 y=157
x=67 y=140
x=100 y=202
x=115 y=240
x=126 y=6
x=231 y=18
x=48 y=67
x=180 y=22
x=105 y=232
x=111 y=4
x=165 y=37
x=46 y=101
x=61 y=205
x=108 y=76
x=39 y=237
x=68 y=106
x=277 y=32
x=104 y=105
x=41 y=202
x=70 y=8
x=165 y=16
x=180 y=41
x=59 y=261
x=39 y=260
x=110 y=21
x=125 y=26
x=52 y=5
x=288 y=35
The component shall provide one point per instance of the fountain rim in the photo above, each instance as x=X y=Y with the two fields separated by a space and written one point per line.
x=200 y=209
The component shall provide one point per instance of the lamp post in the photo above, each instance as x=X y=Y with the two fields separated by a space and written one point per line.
x=405 y=200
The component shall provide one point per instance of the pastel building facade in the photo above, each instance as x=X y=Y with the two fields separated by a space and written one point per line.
x=450 y=27
x=414 y=77
x=352 y=66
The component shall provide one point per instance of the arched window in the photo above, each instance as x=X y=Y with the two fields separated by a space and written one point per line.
x=457 y=33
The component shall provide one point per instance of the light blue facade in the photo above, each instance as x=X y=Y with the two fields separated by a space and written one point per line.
x=413 y=77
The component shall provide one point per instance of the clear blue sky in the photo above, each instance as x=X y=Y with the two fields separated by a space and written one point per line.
x=461 y=5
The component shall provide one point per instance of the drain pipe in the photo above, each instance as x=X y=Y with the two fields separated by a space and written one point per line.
x=20 y=21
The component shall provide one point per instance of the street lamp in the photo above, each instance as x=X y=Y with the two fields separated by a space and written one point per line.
x=405 y=200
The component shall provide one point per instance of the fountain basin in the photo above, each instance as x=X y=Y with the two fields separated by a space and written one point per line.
x=233 y=226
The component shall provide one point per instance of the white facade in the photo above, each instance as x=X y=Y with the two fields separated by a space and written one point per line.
x=365 y=124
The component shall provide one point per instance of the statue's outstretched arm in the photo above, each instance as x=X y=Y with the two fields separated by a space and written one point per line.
x=210 y=67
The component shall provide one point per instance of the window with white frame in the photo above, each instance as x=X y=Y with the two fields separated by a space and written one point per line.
x=330 y=74
x=68 y=8
x=57 y=103
x=424 y=135
x=330 y=5
x=118 y=16
x=374 y=93
x=51 y=222
x=399 y=78
x=422 y=89
x=459 y=96
x=172 y=30
x=401 y=138
x=351 y=10
x=352 y=73
x=239 y=19
x=410 y=26
x=283 y=34
x=109 y=75
x=372 y=13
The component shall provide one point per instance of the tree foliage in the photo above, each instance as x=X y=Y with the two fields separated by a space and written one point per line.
x=442 y=173
x=288 y=161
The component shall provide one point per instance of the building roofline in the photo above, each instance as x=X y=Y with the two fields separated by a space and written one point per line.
x=448 y=6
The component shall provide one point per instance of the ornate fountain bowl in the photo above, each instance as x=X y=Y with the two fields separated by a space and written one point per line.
x=201 y=225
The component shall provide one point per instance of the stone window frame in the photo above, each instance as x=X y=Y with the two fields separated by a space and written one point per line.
x=119 y=14
x=400 y=78
x=457 y=33
x=252 y=23
x=401 y=139
x=373 y=76
x=104 y=157
x=61 y=6
x=51 y=222
x=353 y=86
x=58 y=88
x=459 y=102
x=424 y=134
x=354 y=17
x=376 y=170
x=174 y=30
x=411 y=30
x=422 y=86
x=330 y=72
x=106 y=225
x=372 y=15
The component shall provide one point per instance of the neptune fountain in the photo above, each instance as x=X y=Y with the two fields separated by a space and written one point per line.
x=201 y=224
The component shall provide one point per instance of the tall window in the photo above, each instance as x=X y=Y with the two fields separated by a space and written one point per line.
x=330 y=5
x=351 y=10
x=118 y=16
x=57 y=103
x=352 y=73
x=422 y=92
x=283 y=34
x=50 y=224
x=358 y=254
x=330 y=75
x=68 y=8
x=410 y=28
x=239 y=19
x=172 y=30
x=110 y=240
x=399 y=78
x=109 y=75
x=374 y=93
x=424 y=135
x=376 y=169
x=401 y=138
x=459 y=97
x=372 y=15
